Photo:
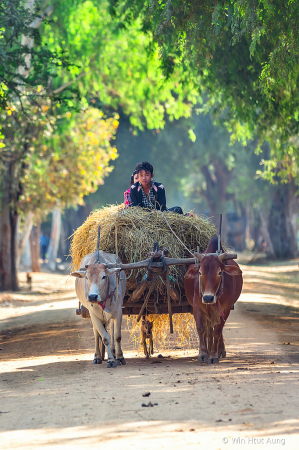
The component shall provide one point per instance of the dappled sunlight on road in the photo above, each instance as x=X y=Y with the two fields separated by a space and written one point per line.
x=156 y=434
x=52 y=394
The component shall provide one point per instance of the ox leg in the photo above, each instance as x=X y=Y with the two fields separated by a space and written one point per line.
x=97 y=355
x=221 y=347
x=151 y=346
x=117 y=335
x=111 y=332
x=203 y=351
x=105 y=337
x=218 y=345
x=208 y=335
x=145 y=347
x=102 y=348
x=214 y=355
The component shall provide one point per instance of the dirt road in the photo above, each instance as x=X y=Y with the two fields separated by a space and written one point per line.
x=52 y=396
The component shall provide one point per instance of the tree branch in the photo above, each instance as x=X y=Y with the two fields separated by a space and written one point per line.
x=38 y=20
x=65 y=85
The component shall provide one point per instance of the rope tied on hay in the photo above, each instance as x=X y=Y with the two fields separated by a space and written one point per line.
x=176 y=235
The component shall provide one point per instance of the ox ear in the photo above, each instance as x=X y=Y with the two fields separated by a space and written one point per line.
x=78 y=274
x=110 y=272
x=232 y=270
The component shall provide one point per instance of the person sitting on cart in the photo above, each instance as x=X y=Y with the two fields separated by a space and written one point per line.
x=147 y=193
x=127 y=197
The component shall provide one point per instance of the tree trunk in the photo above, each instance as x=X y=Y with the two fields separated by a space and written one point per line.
x=9 y=228
x=266 y=235
x=63 y=243
x=216 y=191
x=73 y=219
x=54 y=239
x=25 y=260
x=27 y=227
x=253 y=229
x=35 y=248
x=283 y=221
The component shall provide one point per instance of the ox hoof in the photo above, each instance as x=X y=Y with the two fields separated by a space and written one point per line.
x=111 y=364
x=203 y=358
x=222 y=354
x=121 y=361
x=97 y=361
x=213 y=360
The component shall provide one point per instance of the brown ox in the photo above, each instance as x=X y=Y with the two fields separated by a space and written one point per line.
x=212 y=287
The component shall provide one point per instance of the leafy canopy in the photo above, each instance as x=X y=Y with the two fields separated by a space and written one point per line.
x=27 y=65
x=63 y=157
x=117 y=66
x=68 y=166
x=243 y=54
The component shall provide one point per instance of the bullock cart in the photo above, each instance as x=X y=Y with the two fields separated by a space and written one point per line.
x=145 y=300
x=154 y=275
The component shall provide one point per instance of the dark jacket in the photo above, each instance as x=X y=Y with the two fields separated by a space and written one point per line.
x=159 y=193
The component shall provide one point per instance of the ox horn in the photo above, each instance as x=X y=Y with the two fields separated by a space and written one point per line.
x=222 y=256
x=199 y=256
x=226 y=256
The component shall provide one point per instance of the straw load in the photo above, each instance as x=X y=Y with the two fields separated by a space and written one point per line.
x=184 y=337
x=137 y=230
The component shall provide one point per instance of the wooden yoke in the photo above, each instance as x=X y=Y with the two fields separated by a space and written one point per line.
x=158 y=265
x=169 y=261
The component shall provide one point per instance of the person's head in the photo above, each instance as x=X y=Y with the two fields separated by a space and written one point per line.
x=145 y=172
x=134 y=177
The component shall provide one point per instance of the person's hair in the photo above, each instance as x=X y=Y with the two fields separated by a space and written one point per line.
x=132 y=177
x=144 y=165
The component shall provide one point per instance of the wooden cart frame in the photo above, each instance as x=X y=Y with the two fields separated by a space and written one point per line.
x=157 y=266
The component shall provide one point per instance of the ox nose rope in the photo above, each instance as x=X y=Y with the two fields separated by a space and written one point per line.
x=103 y=305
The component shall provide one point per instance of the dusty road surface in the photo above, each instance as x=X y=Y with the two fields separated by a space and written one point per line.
x=53 y=397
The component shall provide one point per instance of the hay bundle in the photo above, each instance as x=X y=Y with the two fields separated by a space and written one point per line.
x=137 y=230
x=184 y=337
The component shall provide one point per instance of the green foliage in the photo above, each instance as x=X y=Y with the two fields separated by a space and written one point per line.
x=27 y=65
x=70 y=165
x=245 y=56
x=117 y=66
x=58 y=160
x=66 y=156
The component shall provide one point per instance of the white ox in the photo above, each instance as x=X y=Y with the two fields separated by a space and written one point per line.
x=96 y=290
